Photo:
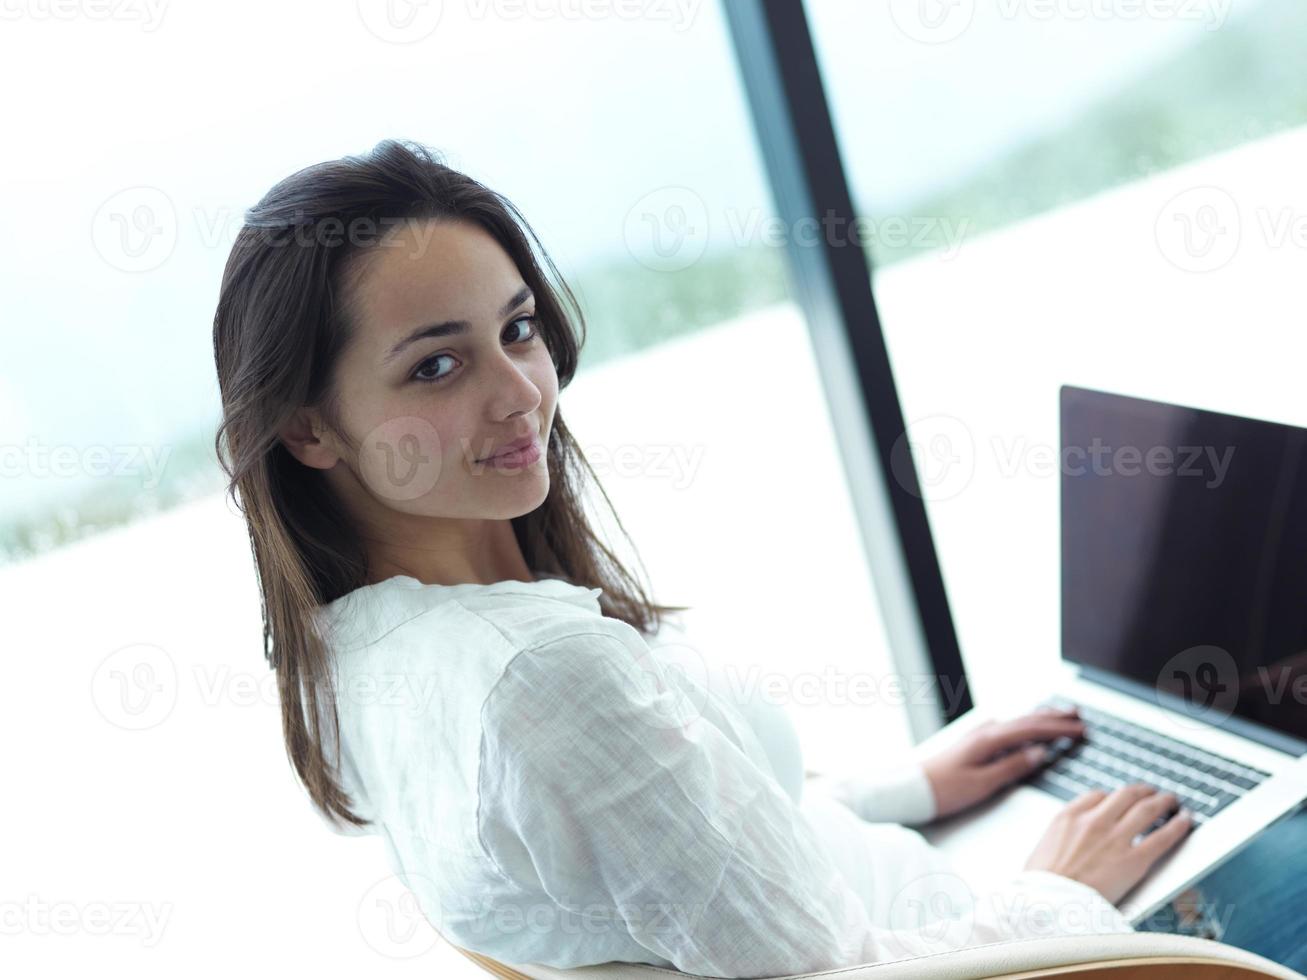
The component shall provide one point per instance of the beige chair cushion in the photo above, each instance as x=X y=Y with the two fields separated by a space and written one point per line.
x=1119 y=956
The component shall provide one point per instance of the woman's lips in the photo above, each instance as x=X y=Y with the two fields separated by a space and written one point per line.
x=522 y=452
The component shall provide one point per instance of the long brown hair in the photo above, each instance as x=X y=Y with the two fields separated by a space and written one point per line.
x=282 y=321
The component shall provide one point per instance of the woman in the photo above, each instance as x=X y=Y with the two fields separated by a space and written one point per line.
x=467 y=670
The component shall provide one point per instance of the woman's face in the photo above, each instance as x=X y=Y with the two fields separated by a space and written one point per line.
x=428 y=406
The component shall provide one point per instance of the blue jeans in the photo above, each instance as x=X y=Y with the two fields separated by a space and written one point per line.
x=1256 y=900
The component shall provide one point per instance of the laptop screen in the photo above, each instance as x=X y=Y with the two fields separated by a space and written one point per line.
x=1184 y=555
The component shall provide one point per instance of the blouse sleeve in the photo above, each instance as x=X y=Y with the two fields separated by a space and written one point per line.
x=621 y=800
x=896 y=793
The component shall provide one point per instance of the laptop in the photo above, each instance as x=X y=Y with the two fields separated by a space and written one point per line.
x=1183 y=632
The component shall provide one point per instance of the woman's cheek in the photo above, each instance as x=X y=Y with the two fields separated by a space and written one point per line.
x=403 y=458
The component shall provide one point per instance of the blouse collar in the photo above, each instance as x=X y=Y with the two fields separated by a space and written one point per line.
x=549 y=585
x=378 y=606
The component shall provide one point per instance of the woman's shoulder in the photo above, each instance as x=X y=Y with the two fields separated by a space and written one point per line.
x=578 y=678
x=368 y=615
x=437 y=652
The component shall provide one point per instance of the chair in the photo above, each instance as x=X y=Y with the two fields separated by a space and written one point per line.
x=1115 y=956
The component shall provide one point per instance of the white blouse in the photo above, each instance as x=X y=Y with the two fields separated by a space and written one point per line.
x=556 y=789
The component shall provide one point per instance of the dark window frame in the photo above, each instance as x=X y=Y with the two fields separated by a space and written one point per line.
x=832 y=284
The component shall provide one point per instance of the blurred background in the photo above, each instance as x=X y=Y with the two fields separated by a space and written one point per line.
x=1096 y=193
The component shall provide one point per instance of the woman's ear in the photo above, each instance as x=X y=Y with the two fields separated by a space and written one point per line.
x=309 y=440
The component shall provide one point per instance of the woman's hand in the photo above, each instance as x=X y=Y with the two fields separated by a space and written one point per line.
x=983 y=762
x=1092 y=839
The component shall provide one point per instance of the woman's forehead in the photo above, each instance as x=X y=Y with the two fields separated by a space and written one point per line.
x=458 y=273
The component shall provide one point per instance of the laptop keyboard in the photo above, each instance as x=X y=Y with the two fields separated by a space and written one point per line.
x=1115 y=752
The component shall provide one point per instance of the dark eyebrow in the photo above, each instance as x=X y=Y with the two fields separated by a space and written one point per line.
x=453 y=327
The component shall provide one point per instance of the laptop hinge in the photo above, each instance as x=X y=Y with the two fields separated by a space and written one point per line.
x=1234 y=724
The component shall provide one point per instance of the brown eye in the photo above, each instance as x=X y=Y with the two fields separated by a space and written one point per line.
x=535 y=327
x=430 y=362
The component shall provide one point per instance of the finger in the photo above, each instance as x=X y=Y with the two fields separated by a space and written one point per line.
x=1144 y=812
x=1123 y=798
x=1086 y=800
x=1012 y=766
x=1038 y=721
x=1164 y=837
x=1012 y=733
x=1015 y=765
x=1072 y=712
